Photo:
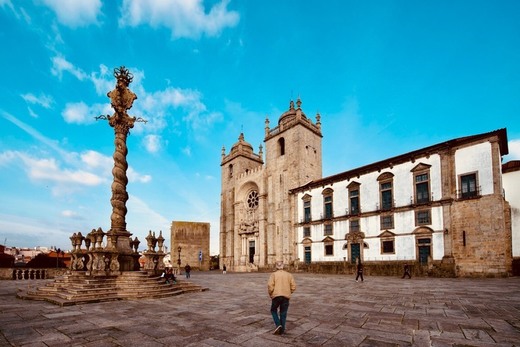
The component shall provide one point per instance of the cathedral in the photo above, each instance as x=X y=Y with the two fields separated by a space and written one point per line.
x=442 y=205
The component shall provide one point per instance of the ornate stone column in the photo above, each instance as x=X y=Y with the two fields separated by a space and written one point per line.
x=118 y=238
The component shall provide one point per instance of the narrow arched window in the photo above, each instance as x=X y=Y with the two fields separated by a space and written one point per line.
x=281 y=146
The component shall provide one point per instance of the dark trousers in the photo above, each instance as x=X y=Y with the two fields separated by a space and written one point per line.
x=282 y=303
x=359 y=274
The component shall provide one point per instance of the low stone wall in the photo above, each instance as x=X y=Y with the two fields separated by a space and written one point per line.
x=378 y=268
x=28 y=274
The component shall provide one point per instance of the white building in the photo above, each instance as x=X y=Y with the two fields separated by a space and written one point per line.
x=442 y=205
x=511 y=177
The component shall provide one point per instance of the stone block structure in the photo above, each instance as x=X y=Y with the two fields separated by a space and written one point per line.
x=193 y=240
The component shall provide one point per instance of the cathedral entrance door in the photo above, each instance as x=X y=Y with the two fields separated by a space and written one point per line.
x=355 y=252
x=251 y=251
x=307 y=255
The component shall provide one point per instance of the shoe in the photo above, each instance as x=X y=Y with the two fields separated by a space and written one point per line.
x=278 y=330
x=356 y=280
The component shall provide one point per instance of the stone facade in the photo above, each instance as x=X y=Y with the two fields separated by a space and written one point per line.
x=441 y=207
x=256 y=226
x=193 y=238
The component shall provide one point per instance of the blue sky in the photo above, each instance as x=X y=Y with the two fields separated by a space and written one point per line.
x=387 y=77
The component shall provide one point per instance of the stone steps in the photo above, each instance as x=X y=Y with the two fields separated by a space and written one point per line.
x=76 y=288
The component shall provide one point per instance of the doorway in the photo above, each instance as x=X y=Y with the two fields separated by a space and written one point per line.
x=424 y=248
x=355 y=252
x=251 y=251
x=308 y=256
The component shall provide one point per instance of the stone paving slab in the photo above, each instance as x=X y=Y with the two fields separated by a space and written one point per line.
x=326 y=310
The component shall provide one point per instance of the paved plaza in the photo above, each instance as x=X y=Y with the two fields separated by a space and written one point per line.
x=325 y=310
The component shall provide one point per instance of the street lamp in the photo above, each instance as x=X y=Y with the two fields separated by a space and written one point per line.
x=179 y=259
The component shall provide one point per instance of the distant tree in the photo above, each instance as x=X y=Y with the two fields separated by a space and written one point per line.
x=43 y=261
x=6 y=260
x=214 y=262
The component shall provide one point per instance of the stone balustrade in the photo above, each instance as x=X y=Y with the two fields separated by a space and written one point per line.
x=102 y=257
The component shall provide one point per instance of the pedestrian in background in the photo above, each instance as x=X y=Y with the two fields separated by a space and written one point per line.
x=280 y=286
x=407 y=271
x=187 y=270
x=224 y=269
x=359 y=272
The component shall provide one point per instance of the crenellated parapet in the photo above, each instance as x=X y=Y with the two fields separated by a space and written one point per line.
x=292 y=117
x=251 y=172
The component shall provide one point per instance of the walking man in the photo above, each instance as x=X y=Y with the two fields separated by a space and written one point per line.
x=359 y=272
x=280 y=287
x=407 y=271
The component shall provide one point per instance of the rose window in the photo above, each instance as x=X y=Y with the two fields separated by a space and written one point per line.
x=252 y=199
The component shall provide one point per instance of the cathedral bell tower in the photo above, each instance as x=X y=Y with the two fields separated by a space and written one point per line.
x=257 y=212
x=293 y=158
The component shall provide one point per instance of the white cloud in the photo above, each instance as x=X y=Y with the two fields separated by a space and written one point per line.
x=6 y=3
x=32 y=113
x=60 y=64
x=98 y=162
x=190 y=101
x=155 y=107
x=141 y=211
x=43 y=100
x=133 y=176
x=34 y=133
x=7 y=157
x=77 y=172
x=9 y=4
x=514 y=150
x=187 y=151
x=152 y=143
x=184 y=18
x=81 y=113
x=103 y=81
x=70 y=214
x=104 y=164
x=75 y=13
x=75 y=113
x=49 y=170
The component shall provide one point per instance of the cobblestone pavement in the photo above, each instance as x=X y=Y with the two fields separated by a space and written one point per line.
x=326 y=310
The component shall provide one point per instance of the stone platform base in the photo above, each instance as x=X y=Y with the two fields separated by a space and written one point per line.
x=76 y=288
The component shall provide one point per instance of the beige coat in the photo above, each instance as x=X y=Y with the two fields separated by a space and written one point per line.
x=281 y=283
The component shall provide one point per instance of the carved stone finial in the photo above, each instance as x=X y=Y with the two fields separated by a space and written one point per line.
x=266 y=125
x=123 y=75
